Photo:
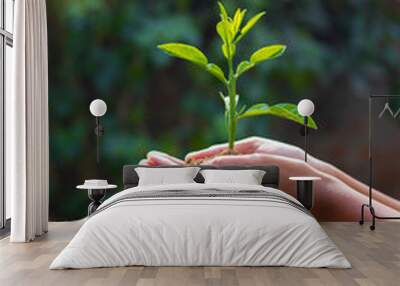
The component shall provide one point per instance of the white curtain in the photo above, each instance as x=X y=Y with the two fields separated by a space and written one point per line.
x=27 y=140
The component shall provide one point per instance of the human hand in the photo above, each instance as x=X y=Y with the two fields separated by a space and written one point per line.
x=251 y=145
x=246 y=146
x=338 y=196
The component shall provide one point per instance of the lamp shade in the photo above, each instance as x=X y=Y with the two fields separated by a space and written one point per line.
x=305 y=107
x=98 y=107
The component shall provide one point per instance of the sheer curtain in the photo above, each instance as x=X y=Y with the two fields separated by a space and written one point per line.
x=27 y=159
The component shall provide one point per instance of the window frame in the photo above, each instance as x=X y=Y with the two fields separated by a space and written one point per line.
x=6 y=39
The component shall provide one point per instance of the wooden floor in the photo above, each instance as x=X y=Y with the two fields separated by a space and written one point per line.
x=375 y=257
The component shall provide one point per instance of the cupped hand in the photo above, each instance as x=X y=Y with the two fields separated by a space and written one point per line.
x=251 y=145
x=260 y=151
x=245 y=146
x=338 y=196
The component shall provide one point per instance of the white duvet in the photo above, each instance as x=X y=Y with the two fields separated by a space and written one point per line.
x=200 y=231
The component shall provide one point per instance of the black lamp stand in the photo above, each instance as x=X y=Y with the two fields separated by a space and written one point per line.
x=305 y=137
x=99 y=131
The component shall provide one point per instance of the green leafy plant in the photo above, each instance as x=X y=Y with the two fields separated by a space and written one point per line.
x=231 y=32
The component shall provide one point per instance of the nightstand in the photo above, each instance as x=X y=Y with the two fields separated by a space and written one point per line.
x=96 y=194
x=305 y=194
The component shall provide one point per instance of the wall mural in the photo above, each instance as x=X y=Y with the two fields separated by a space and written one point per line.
x=161 y=110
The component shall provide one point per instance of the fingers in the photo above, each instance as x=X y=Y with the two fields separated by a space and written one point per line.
x=248 y=145
x=257 y=159
x=207 y=152
x=281 y=149
x=156 y=158
x=143 y=162
x=244 y=146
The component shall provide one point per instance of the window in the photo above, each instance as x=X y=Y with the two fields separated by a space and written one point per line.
x=6 y=63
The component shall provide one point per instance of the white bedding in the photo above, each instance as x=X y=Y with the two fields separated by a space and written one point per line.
x=200 y=231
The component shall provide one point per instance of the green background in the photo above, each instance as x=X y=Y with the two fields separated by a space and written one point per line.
x=339 y=52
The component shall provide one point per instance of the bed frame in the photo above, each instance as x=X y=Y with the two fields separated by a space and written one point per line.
x=271 y=178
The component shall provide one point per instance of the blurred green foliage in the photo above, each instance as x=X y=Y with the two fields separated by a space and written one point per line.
x=107 y=49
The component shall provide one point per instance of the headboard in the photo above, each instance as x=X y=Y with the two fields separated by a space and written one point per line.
x=271 y=178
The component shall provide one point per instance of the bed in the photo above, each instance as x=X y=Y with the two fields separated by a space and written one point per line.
x=198 y=224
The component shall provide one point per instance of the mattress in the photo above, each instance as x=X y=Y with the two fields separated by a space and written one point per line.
x=201 y=225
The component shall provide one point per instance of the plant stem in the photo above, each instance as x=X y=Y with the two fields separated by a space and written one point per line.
x=232 y=106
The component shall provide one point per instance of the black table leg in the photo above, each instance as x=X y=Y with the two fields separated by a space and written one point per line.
x=96 y=197
x=305 y=193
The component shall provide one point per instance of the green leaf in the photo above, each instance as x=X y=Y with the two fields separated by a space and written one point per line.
x=283 y=110
x=257 y=107
x=243 y=67
x=185 y=52
x=251 y=23
x=216 y=71
x=266 y=53
x=224 y=15
x=237 y=19
x=225 y=31
x=228 y=53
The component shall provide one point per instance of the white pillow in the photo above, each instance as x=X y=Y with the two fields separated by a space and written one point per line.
x=163 y=176
x=248 y=177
